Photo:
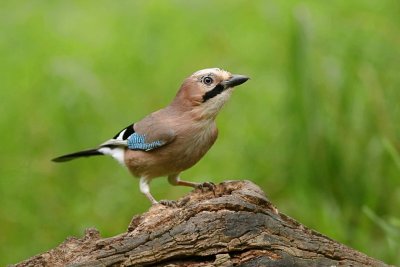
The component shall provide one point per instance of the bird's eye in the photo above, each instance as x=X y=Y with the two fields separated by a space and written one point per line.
x=208 y=80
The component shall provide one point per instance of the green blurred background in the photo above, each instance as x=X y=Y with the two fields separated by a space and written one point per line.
x=317 y=126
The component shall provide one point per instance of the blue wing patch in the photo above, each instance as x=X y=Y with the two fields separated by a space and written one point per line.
x=138 y=142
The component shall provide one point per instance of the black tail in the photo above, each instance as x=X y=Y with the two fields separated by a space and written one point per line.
x=85 y=153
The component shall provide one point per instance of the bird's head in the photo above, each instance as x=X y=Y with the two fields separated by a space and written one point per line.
x=207 y=90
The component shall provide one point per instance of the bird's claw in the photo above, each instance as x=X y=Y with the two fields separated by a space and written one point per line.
x=206 y=185
x=169 y=203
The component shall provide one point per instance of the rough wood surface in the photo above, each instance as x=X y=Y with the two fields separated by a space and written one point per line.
x=234 y=225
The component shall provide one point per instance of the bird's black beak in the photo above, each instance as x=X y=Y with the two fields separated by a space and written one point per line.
x=235 y=80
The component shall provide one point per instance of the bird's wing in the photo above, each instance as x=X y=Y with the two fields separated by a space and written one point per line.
x=142 y=136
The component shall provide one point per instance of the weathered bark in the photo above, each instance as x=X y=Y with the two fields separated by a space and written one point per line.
x=234 y=225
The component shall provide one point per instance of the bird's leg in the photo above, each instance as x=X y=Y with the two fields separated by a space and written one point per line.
x=145 y=189
x=175 y=180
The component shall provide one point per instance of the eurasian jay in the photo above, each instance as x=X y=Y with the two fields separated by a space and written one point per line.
x=174 y=138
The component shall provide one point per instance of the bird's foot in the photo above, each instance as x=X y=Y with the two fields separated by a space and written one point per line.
x=169 y=203
x=206 y=185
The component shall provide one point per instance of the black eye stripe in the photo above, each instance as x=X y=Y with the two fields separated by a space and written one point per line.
x=213 y=92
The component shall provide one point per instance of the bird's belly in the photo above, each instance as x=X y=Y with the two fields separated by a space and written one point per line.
x=174 y=158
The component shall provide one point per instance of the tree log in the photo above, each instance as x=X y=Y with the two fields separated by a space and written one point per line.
x=232 y=225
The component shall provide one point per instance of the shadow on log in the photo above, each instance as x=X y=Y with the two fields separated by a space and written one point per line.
x=234 y=225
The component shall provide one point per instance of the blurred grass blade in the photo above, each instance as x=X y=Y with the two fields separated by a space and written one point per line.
x=389 y=230
x=392 y=151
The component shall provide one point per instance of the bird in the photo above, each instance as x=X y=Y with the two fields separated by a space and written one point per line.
x=172 y=139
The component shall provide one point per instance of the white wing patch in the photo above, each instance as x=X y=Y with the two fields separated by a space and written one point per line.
x=120 y=135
